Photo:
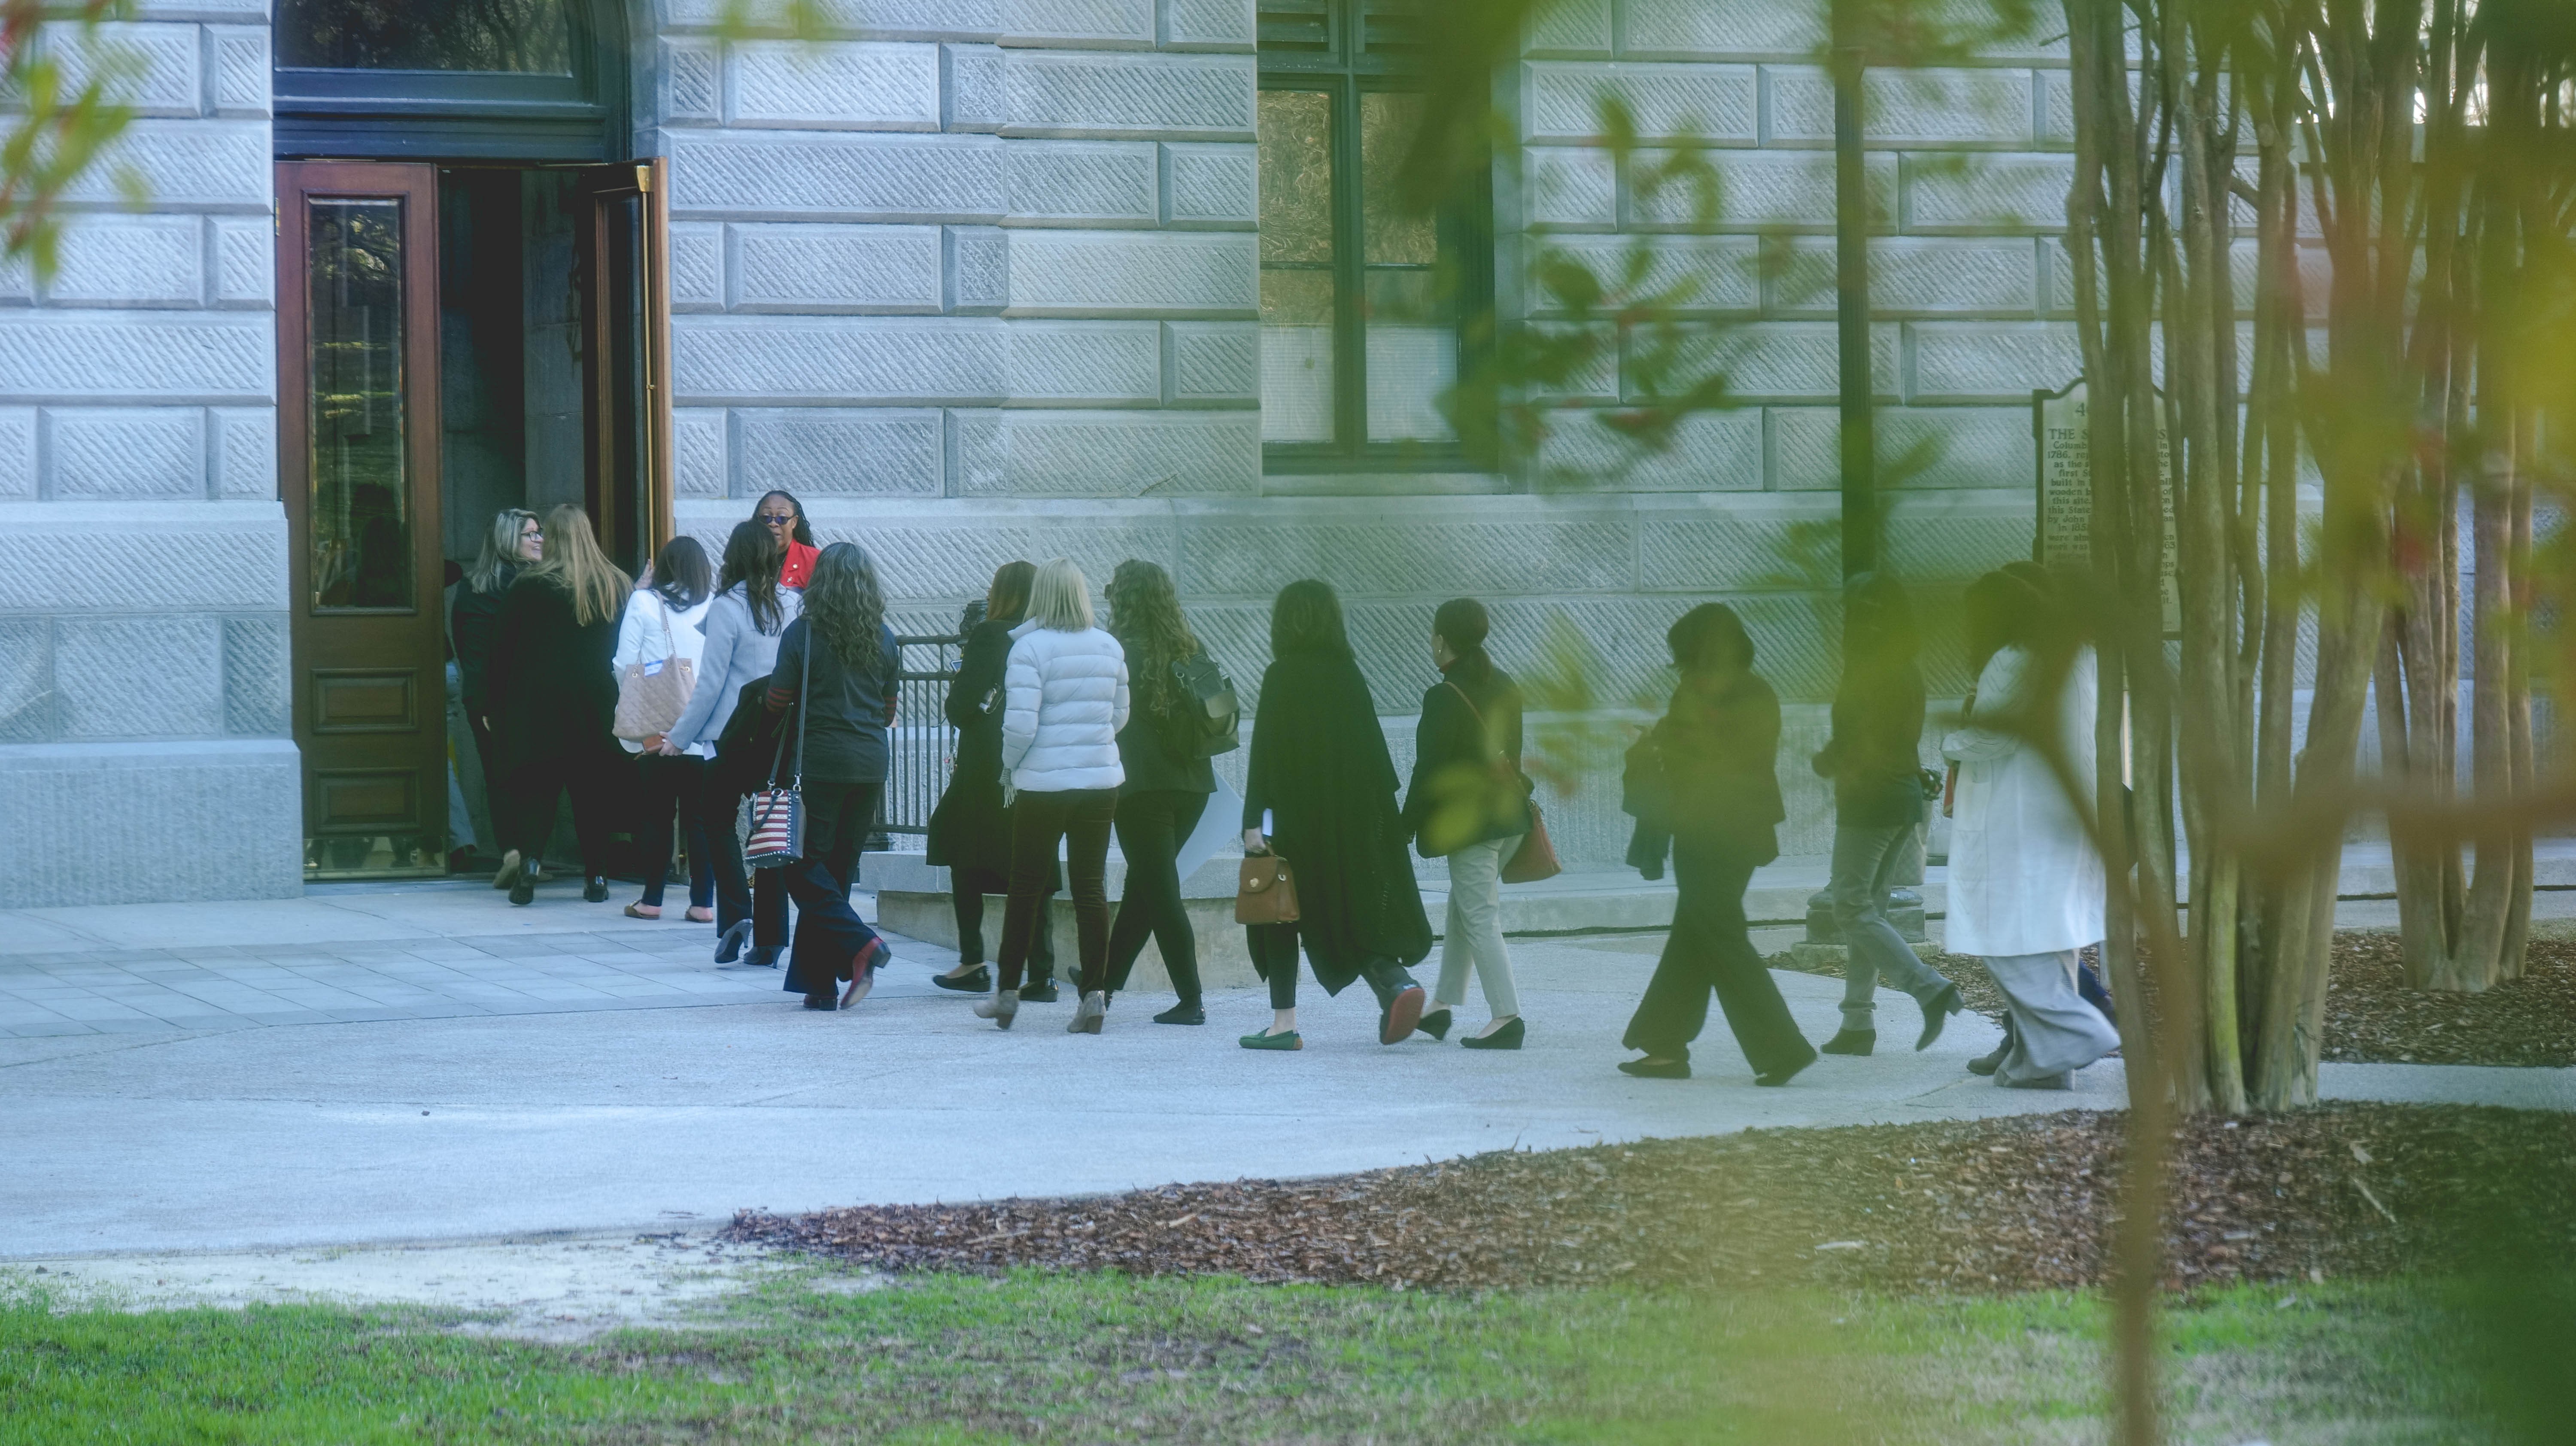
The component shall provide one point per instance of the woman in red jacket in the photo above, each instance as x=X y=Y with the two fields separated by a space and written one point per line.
x=784 y=516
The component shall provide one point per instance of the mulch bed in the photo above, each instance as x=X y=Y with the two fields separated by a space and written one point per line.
x=1987 y=1205
x=2372 y=1017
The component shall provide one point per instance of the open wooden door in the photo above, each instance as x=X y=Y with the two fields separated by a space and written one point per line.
x=357 y=324
x=623 y=250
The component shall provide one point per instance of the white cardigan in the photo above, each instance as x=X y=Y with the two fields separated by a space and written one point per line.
x=2024 y=877
x=1065 y=698
x=653 y=631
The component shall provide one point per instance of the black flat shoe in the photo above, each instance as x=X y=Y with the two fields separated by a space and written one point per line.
x=523 y=889
x=1936 y=1013
x=1507 y=1037
x=1041 y=992
x=1853 y=1041
x=1779 y=1077
x=1187 y=1011
x=764 y=957
x=1656 y=1068
x=1434 y=1022
x=1401 y=1014
x=978 y=980
x=824 y=1001
x=729 y=943
x=596 y=891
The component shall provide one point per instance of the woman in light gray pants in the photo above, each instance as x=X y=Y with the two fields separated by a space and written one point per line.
x=1470 y=803
x=1878 y=805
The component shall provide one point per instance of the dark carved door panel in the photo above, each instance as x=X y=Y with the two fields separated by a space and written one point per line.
x=357 y=322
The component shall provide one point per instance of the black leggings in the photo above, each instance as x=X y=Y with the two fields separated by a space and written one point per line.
x=1274 y=954
x=1152 y=826
x=671 y=789
x=966 y=890
x=1081 y=818
x=592 y=769
x=739 y=895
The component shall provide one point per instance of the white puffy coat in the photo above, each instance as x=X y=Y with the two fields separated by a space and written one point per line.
x=1065 y=698
x=2024 y=878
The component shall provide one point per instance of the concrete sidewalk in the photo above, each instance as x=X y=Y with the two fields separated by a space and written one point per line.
x=601 y=1115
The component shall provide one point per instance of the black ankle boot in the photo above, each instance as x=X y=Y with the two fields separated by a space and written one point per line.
x=1989 y=1063
x=596 y=891
x=1851 y=1041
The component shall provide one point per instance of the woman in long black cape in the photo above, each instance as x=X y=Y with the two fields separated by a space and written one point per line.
x=1320 y=769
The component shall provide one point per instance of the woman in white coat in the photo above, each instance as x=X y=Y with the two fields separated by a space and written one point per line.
x=2026 y=884
x=662 y=628
x=1064 y=700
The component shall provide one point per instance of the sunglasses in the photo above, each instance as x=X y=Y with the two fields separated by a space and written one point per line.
x=778 y=519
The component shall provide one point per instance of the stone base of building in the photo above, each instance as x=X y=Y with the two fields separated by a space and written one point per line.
x=126 y=823
x=1816 y=958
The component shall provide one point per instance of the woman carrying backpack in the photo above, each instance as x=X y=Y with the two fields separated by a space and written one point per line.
x=1165 y=749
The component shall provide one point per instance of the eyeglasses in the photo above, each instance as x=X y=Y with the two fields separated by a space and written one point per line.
x=778 y=519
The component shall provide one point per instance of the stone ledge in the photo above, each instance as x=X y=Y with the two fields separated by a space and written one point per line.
x=90 y=823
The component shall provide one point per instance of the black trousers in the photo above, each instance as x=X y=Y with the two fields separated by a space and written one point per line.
x=966 y=890
x=497 y=804
x=671 y=789
x=829 y=933
x=1274 y=954
x=592 y=769
x=1152 y=826
x=1080 y=817
x=1709 y=951
x=739 y=896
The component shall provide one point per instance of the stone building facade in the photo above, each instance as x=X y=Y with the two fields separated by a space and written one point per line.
x=986 y=279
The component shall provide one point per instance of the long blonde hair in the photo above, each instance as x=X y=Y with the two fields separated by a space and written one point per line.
x=1061 y=597
x=574 y=563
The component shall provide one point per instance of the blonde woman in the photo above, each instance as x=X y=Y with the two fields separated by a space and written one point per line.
x=1064 y=699
x=554 y=697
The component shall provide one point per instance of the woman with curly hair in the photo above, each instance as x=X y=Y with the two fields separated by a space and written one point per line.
x=838 y=663
x=1168 y=783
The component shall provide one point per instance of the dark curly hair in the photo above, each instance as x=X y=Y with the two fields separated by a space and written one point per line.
x=845 y=608
x=1307 y=618
x=1145 y=618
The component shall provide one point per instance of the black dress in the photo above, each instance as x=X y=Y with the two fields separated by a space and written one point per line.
x=1319 y=765
x=553 y=696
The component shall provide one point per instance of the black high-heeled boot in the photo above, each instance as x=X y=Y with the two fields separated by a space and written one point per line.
x=1989 y=1063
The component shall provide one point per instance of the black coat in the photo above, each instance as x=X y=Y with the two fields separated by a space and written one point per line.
x=1319 y=764
x=469 y=629
x=1708 y=770
x=1467 y=783
x=971 y=828
x=553 y=691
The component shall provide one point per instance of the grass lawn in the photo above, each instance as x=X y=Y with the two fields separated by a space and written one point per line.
x=820 y=1354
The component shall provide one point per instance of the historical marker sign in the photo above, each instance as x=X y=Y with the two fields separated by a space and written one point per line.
x=2063 y=531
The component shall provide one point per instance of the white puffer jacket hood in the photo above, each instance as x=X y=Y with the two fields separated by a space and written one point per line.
x=1065 y=700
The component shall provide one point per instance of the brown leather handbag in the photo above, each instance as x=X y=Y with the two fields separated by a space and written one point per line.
x=1265 y=892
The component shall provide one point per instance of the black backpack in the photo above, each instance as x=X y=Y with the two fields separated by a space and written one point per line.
x=1214 y=726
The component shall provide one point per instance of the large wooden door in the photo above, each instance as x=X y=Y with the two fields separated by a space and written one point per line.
x=357 y=322
x=622 y=246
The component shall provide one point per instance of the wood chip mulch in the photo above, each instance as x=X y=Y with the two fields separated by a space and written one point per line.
x=1988 y=1205
x=2372 y=1016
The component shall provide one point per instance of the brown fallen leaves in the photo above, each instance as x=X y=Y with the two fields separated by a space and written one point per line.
x=2006 y=1204
x=2372 y=1015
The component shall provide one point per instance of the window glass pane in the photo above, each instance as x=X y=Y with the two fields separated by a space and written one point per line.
x=1412 y=347
x=1397 y=233
x=1296 y=132
x=527 y=37
x=361 y=502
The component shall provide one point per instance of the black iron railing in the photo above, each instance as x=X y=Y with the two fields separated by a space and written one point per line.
x=924 y=746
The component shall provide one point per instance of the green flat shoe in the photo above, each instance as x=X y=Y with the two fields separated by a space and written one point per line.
x=1272 y=1041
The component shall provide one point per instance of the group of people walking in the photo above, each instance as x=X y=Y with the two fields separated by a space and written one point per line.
x=1072 y=729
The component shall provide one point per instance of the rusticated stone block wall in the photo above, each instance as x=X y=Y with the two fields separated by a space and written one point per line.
x=144 y=750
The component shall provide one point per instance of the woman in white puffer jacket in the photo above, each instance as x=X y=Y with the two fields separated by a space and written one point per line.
x=1064 y=700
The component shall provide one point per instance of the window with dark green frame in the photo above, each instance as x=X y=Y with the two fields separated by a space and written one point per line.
x=1362 y=297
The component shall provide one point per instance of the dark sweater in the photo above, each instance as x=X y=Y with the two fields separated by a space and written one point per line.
x=1458 y=796
x=470 y=628
x=1154 y=747
x=1878 y=723
x=552 y=688
x=845 y=729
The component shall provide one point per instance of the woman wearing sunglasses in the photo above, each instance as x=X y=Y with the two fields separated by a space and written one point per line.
x=784 y=516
